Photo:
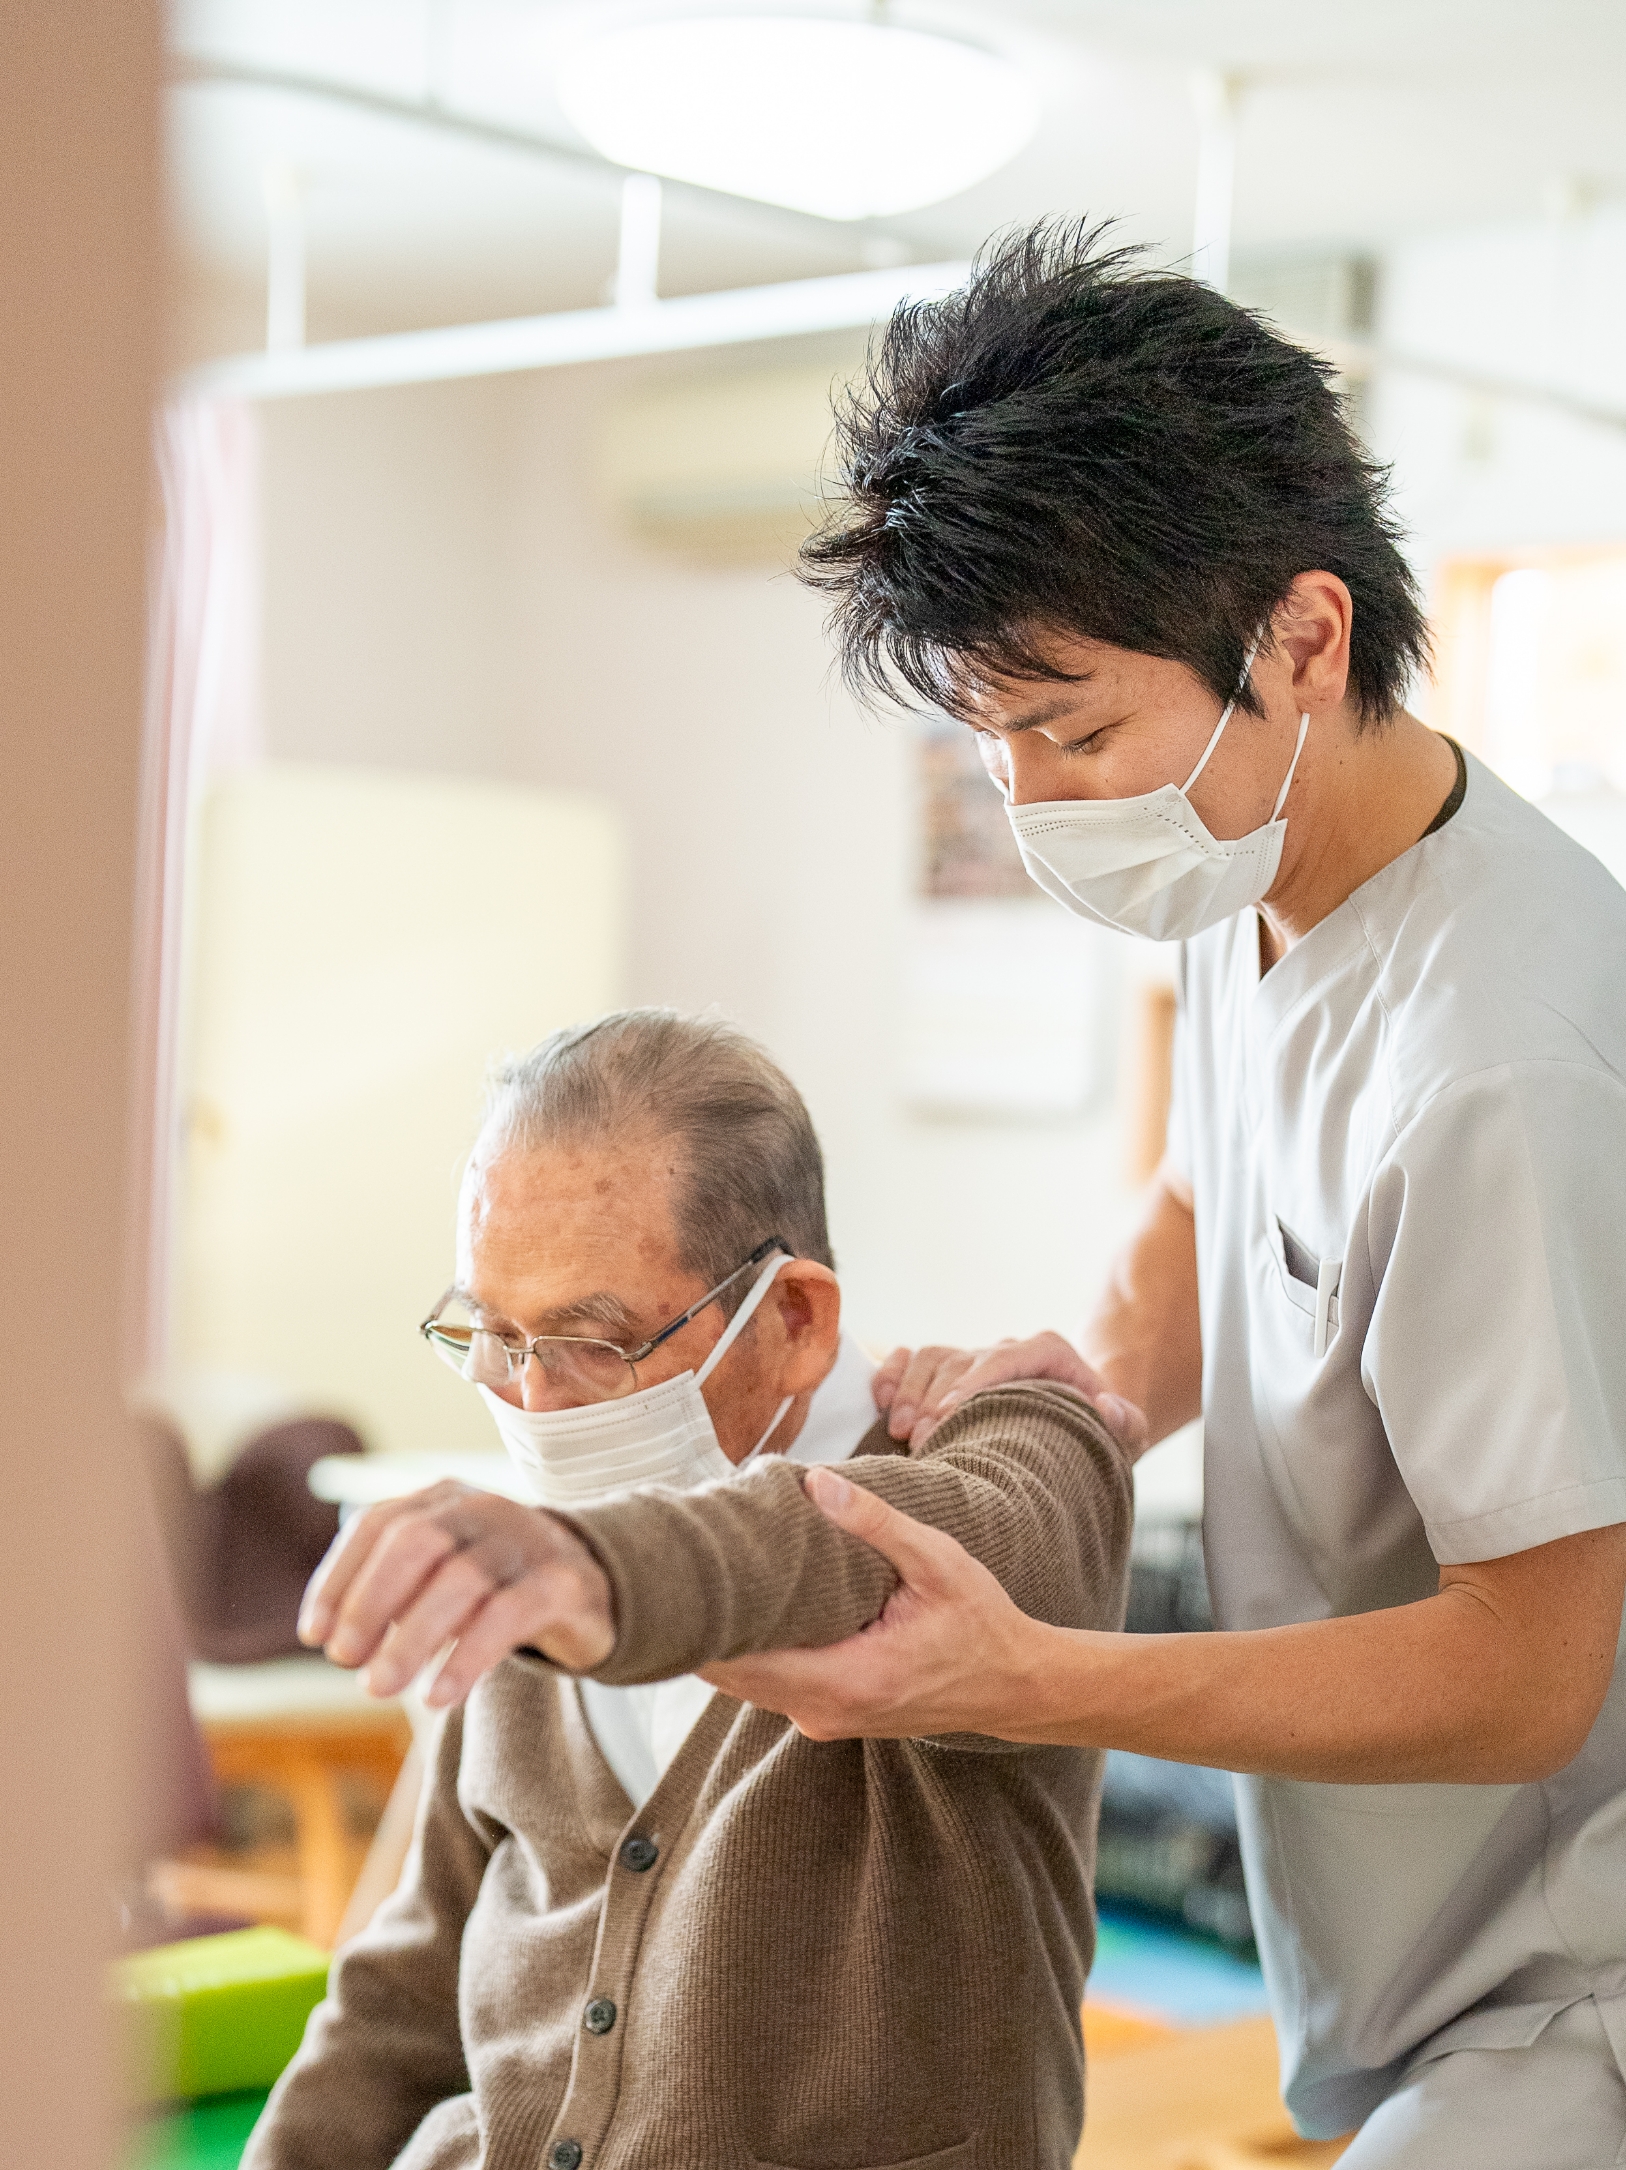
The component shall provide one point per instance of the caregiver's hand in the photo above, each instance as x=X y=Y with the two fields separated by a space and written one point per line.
x=452 y=1565
x=915 y=1389
x=946 y=1655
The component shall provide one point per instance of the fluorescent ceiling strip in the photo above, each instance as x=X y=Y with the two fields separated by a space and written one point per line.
x=849 y=301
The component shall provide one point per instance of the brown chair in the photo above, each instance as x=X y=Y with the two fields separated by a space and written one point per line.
x=240 y=1554
x=241 y=1551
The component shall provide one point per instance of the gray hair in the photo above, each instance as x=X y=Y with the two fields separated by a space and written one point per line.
x=752 y=1167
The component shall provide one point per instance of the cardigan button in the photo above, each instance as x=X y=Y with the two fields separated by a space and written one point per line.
x=565 y=2155
x=639 y=1854
x=599 y=2016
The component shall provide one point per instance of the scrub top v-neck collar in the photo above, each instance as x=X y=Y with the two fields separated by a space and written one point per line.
x=1276 y=993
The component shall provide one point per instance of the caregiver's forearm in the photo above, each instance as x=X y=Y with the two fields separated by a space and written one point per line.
x=1145 y=1336
x=1494 y=1681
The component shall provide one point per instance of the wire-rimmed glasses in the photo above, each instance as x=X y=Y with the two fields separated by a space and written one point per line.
x=575 y=1365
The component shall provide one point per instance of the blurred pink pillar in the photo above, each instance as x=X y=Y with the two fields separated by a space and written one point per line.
x=81 y=277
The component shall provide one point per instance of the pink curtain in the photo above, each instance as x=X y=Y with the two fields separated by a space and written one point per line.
x=202 y=720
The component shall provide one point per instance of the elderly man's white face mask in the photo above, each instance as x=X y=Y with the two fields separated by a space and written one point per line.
x=659 y=1435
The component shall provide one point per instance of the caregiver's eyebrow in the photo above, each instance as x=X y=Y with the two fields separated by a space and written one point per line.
x=1051 y=711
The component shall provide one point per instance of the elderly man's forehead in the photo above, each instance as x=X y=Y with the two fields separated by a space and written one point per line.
x=636 y=1163
x=569 y=1233
x=600 y=1311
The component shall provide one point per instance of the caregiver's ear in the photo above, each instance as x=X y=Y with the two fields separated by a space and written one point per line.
x=806 y=1300
x=1311 y=631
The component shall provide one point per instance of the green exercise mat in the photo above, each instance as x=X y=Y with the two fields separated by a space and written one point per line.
x=216 y=2015
x=202 y=2136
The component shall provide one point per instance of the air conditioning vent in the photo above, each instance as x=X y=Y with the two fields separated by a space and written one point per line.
x=723 y=469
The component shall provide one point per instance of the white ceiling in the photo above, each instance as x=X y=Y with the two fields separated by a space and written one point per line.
x=1362 y=121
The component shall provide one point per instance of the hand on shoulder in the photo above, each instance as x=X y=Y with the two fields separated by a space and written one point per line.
x=916 y=1389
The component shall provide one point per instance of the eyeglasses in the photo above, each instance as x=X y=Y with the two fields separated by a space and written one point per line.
x=572 y=1364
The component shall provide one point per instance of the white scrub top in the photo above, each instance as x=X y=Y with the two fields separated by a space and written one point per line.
x=1407 y=1147
x=639 y=1730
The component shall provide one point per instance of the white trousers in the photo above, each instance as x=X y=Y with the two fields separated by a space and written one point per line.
x=1558 y=2105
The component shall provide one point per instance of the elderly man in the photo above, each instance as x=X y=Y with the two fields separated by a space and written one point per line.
x=642 y=1924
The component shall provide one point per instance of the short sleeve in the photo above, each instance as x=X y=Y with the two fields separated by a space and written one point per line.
x=1496 y=1353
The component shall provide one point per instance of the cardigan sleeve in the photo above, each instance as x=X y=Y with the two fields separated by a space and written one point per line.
x=1026 y=1477
x=385 y=2048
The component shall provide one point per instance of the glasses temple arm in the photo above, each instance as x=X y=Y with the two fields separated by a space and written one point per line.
x=773 y=1243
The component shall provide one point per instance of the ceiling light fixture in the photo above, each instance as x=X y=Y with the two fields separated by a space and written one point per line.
x=847 y=120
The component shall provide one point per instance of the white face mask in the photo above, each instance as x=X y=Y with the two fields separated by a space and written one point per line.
x=659 y=1435
x=1149 y=865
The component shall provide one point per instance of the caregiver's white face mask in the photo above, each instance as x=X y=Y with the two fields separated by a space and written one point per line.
x=659 y=1435
x=1149 y=865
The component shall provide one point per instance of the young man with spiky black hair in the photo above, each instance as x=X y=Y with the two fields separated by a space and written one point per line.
x=1121 y=529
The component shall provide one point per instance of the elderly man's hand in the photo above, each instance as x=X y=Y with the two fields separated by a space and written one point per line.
x=452 y=1565
x=916 y=1389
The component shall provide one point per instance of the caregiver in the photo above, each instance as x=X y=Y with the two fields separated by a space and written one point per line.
x=1122 y=530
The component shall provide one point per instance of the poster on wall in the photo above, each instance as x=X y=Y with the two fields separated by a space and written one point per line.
x=1007 y=1010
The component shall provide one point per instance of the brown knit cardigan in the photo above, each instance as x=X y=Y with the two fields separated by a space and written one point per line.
x=798 y=1955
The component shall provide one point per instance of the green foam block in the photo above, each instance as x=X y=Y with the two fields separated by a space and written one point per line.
x=216 y=2014
x=208 y=2135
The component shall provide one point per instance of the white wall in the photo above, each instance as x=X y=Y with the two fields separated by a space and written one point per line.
x=1542 y=302
x=443 y=592
x=385 y=534
x=356 y=963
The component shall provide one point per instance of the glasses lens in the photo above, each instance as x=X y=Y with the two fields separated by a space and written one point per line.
x=492 y=1361
x=577 y=1369
x=450 y=1343
x=474 y=1354
x=592 y=1370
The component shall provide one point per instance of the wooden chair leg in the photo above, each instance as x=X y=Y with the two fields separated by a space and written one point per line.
x=325 y=1850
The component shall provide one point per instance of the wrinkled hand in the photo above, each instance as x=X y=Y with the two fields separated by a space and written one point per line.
x=452 y=1565
x=917 y=1388
x=949 y=1653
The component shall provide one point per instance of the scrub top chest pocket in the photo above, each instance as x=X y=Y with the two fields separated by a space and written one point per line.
x=1303 y=1337
x=1304 y=1273
x=1321 y=1442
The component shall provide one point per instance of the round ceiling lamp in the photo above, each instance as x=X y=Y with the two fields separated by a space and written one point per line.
x=845 y=119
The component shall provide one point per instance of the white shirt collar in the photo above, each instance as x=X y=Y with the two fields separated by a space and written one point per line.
x=841 y=1411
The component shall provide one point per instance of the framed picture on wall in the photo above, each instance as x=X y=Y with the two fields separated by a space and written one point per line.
x=1008 y=1000
x=966 y=845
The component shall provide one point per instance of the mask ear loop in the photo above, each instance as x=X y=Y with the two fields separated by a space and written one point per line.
x=737 y=1324
x=1287 y=781
x=731 y=1333
x=1226 y=714
x=777 y=1420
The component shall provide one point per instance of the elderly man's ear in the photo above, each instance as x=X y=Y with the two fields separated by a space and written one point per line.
x=805 y=1304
